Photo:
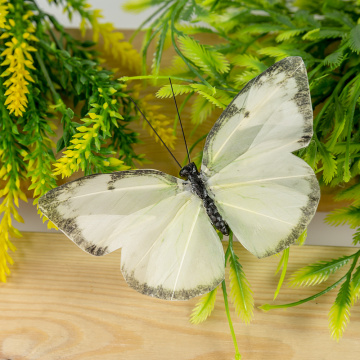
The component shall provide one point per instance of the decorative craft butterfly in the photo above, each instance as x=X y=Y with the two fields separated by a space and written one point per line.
x=249 y=182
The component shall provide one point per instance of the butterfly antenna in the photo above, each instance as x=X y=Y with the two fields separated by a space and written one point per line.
x=182 y=129
x=155 y=131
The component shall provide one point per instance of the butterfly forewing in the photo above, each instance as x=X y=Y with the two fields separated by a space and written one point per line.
x=272 y=111
x=266 y=194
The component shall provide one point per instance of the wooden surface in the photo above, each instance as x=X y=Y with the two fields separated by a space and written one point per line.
x=61 y=303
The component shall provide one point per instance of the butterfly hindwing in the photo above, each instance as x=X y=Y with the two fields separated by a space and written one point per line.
x=179 y=258
x=267 y=199
x=169 y=247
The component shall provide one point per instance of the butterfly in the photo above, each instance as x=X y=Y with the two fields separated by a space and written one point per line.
x=249 y=182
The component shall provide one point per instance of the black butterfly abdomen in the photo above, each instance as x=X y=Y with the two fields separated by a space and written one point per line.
x=198 y=187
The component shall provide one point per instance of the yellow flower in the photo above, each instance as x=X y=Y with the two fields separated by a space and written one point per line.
x=18 y=60
x=3 y=13
x=160 y=122
x=114 y=43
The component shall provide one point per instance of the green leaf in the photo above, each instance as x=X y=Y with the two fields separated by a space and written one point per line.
x=204 y=91
x=349 y=215
x=355 y=39
x=249 y=61
x=201 y=110
x=302 y=238
x=351 y=193
x=159 y=49
x=282 y=264
x=329 y=163
x=288 y=34
x=340 y=148
x=317 y=34
x=205 y=58
x=204 y=307
x=165 y=91
x=356 y=237
x=355 y=286
x=334 y=59
x=240 y=293
x=310 y=154
x=340 y=311
x=318 y=272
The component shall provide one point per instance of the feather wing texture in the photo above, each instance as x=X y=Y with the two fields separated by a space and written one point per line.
x=267 y=199
x=181 y=257
x=272 y=111
x=92 y=210
x=169 y=247
x=266 y=194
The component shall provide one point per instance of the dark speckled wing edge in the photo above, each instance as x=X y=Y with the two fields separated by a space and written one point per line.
x=49 y=203
x=302 y=99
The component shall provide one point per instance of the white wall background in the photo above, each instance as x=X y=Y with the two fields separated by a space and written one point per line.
x=319 y=233
x=111 y=9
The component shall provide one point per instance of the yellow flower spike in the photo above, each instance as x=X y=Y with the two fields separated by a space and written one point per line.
x=105 y=106
x=2 y=172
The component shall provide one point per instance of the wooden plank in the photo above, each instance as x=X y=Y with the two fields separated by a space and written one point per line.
x=61 y=303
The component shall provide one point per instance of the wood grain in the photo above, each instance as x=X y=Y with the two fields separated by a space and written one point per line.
x=61 y=303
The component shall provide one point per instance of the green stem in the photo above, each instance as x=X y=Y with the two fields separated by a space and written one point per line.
x=181 y=108
x=56 y=96
x=267 y=307
x=237 y=353
x=347 y=175
x=155 y=77
x=149 y=19
x=333 y=95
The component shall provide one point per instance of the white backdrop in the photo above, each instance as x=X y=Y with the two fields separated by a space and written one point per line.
x=111 y=9
x=319 y=233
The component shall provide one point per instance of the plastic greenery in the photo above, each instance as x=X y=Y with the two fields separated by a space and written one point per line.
x=247 y=37
x=47 y=75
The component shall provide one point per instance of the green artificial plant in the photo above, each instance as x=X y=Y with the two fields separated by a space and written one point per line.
x=221 y=45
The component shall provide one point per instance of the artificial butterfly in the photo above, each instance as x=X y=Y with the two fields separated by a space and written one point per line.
x=249 y=181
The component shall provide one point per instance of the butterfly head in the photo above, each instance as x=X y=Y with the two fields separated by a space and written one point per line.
x=188 y=170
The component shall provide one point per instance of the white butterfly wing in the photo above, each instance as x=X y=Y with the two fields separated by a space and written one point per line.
x=158 y=222
x=267 y=199
x=272 y=111
x=266 y=194
x=181 y=258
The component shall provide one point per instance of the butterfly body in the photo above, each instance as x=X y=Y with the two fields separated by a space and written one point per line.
x=191 y=173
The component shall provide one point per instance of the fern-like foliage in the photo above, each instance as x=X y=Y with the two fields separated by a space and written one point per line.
x=204 y=307
x=317 y=273
x=349 y=215
x=245 y=42
x=339 y=315
x=282 y=264
x=240 y=292
x=355 y=286
x=208 y=60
